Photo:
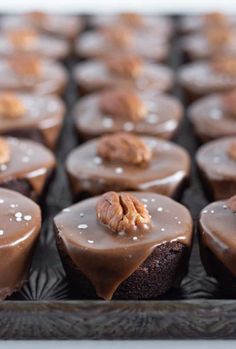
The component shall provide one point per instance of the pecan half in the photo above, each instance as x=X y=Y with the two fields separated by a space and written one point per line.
x=22 y=38
x=232 y=150
x=124 y=147
x=129 y=66
x=10 y=106
x=132 y=19
x=26 y=65
x=123 y=103
x=219 y=36
x=229 y=102
x=118 y=36
x=225 y=65
x=4 y=151
x=122 y=212
x=231 y=203
x=216 y=19
x=36 y=16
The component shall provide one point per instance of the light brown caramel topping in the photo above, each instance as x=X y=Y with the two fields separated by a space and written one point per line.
x=225 y=65
x=128 y=66
x=124 y=147
x=123 y=103
x=218 y=36
x=132 y=19
x=118 y=36
x=232 y=150
x=4 y=151
x=231 y=203
x=229 y=101
x=122 y=212
x=10 y=106
x=23 y=38
x=216 y=19
x=36 y=16
x=26 y=65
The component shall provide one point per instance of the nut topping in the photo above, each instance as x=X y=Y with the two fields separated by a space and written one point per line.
x=4 y=151
x=10 y=106
x=225 y=65
x=26 y=66
x=129 y=66
x=118 y=36
x=232 y=150
x=36 y=16
x=123 y=103
x=23 y=38
x=124 y=147
x=122 y=212
x=229 y=102
x=216 y=19
x=132 y=19
x=218 y=36
x=231 y=203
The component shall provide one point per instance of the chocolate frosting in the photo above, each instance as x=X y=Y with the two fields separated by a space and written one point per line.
x=108 y=258
x=217 y=229
x=29 y=161
x=52 y=79
x=168 y=167
x=164 y=115
x=43 y=113
x=20 y=223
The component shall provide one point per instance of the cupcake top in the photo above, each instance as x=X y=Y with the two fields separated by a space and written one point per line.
x=128 y=161
x=108 y=237
x=218 y=74
x=217 y=226
x=24 y=159
x=102 y=42
x=158 y=25
x=211 y=19
x=214 y=116
x=55 y=24
x=126 y=110
x=27 y=40
x=125 y=71
x=29 y=73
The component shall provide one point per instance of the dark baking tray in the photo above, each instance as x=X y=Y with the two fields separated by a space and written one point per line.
x=45 y=309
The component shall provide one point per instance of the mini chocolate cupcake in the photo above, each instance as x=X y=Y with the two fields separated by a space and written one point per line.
x=214 y=116
x=161 y=26
x=217 y=242
x=28 y=41
x=123 y=71
x=30 y=74
x=204 y=77
x=20 y=223
x=124 y=245
x=25 y=166
x=121 y=40
x=123 y=161
x=210 y=42
x=216 y=161
x=54 y=24
x=126 y=110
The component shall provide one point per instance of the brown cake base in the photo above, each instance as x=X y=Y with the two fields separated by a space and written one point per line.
x=162 y=270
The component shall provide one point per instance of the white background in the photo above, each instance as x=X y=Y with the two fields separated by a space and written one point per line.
x=91 y=6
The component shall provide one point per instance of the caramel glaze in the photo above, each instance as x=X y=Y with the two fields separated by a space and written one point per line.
x=51 y=81
x=217 y=232
x=163 y=119
x=166 y=173
x=44 y=114
x=29 y=161
x=218 y=168
x=20 y=223
x=94 y=75
x=106 y=258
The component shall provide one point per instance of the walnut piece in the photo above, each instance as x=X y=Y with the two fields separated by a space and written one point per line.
x=232 y=150
x=4 y=151
x=122 y=212
x=118 y=36
x=23 y=38
x=225 y=65
x=124 y=147
x=128 y=66
x=132 y=19
x=10 y=106
x=124 y=104
x=229 y=102
x=218 y=36
x=36 y=16
x=216 y=19
x=28 y=66
x=231 y=203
